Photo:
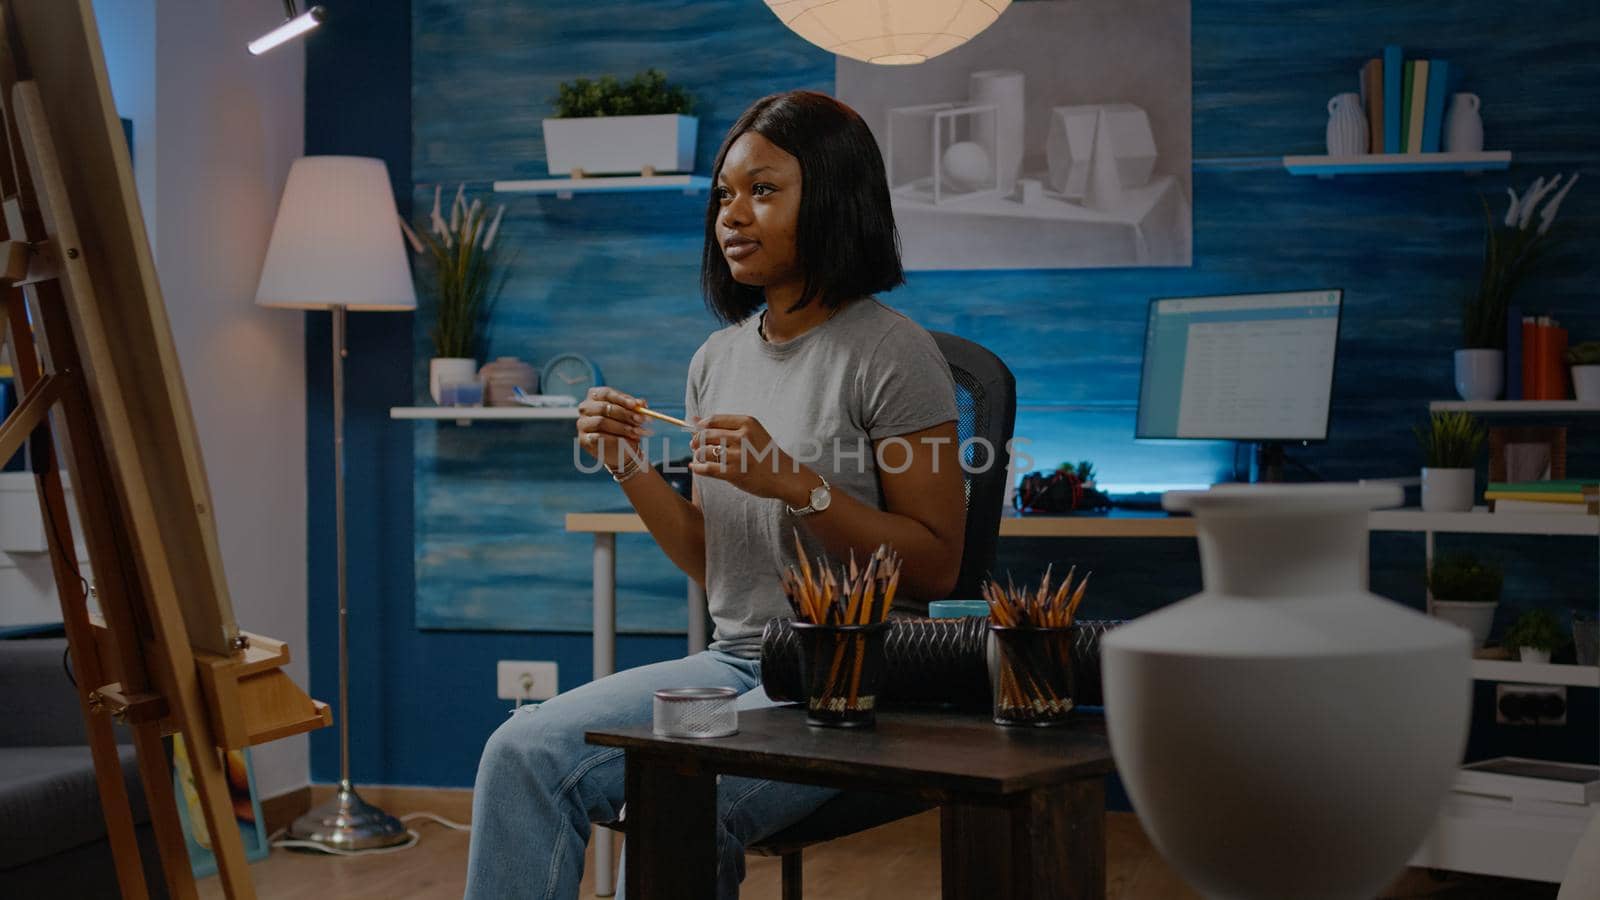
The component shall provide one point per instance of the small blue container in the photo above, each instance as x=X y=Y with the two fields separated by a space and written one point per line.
x=955 y=609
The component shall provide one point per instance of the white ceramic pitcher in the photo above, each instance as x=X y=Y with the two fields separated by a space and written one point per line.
x=1347 y=126
x=1463 y=128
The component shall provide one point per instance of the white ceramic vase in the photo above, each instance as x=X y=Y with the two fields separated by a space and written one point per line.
x=1347 y=126
x=1476 y=617
x=1463 y=126
x=1447 y=490
x=1286 y=733
x=1004 y=89
x=1480 y=374
x=1586 y=384
x=1531 y=655
x=449 y=370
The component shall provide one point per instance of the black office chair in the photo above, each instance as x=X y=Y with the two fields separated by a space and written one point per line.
x=986 y=407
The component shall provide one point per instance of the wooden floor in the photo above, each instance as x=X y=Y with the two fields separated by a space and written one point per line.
x=899 y=860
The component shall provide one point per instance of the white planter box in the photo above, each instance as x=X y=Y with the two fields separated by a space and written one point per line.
x=620 y=145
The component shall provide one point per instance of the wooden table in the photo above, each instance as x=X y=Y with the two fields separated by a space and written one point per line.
x=1022 y=810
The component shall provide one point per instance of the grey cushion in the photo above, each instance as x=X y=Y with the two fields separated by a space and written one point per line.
x=49 y=801
x=41 y=704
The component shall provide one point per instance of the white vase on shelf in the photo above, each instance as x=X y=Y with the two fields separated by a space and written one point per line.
x=1586 y=384
x=449 y=370
x=1532 y=655
x=1447 y=490
x=1347 y=126
x=1286 y=733
x=1463 y=126
x=1480 y=374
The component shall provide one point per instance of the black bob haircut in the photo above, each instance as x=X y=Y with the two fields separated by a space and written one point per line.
x=847 y=242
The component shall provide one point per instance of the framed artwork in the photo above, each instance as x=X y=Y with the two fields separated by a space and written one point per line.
x=246 y=808
x=1528 y=453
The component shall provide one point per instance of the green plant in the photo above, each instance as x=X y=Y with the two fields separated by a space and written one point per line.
x=1082 y=470
x=645 y=94
x=1510 y=250
x=467 y=272
x=1536 y=628
x=1463 y=578
x=1450 y=440
x=1584 y=354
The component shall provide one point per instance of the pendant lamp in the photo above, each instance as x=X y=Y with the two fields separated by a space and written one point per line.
x=888 y=32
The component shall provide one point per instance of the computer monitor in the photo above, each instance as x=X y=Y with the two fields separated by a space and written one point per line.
x=1245 y=367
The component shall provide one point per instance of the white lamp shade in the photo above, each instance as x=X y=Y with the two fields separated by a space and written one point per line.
x=888 y=32
x=337 y=240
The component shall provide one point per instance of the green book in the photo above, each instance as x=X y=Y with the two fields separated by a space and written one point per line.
x=1405 y=104
x=1564 y=486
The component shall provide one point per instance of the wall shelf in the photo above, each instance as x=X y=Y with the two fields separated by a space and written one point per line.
x=1397 y=163
x=1515 y=407
x=485 y=413
x=566 y=187
x=1535 y=673
x=1481 y=521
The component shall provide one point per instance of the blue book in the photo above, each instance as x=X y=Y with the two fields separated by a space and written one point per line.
x=1513 y=353
x=1393 y=79
x=1439 y=74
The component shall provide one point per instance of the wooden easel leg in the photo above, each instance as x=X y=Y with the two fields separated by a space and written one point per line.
x=86 y=662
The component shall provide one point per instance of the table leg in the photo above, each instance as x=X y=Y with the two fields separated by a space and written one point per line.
x=672 y=820
x=1049 y=846
x=697 y=617
x=605 y=662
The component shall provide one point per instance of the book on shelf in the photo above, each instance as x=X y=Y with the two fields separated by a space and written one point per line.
x=1416 y=103
x=1542 y=507
x=1513 y=379
x=1372 y=102
x=1545 y=486
x=1439 y=74
x=1393 y=89
x=1408 y=82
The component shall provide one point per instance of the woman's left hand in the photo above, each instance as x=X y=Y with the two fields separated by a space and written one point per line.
x=738 y=450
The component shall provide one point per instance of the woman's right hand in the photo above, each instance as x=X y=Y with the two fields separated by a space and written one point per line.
x=608 y=427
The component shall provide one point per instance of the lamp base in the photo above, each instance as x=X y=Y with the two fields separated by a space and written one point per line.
x=349 y=823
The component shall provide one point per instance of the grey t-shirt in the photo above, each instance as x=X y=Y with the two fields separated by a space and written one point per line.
x=866 y=374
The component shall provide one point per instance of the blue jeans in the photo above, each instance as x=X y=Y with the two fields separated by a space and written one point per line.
x=540 y=785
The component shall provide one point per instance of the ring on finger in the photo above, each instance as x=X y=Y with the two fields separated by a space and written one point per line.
x=715 y=452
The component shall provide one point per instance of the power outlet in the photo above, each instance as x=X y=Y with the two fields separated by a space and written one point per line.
x=1530 y=704
x=526 y=681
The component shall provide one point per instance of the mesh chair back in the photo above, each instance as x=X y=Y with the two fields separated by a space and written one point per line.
x=986 y=404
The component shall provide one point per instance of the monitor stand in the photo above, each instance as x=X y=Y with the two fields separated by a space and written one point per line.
x=1266 y=462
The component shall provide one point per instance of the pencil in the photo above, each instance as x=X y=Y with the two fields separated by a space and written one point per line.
x=645 y=410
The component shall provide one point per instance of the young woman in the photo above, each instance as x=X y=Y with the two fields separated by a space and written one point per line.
x=820 y=412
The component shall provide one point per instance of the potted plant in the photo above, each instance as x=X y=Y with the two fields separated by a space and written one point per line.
x=1450 y=444
x=1585 y=361
x=1536 y=634
x=466 y=278
x=611 y=127
x=1510 y=250
x=1465 y=590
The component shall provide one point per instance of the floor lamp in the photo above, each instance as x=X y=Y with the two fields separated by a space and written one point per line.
x=337 y=246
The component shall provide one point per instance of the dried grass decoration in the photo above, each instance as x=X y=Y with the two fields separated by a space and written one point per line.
x=841 y=619
x=1034 y=631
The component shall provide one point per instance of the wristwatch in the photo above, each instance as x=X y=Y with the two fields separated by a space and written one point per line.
x=821 y=497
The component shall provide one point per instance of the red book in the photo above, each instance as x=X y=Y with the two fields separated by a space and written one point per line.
x=1530 y=359
x=1555 y=362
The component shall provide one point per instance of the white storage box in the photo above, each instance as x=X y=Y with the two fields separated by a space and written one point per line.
x=1531 y=779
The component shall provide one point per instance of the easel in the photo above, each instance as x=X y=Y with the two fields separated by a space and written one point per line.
x=93 y=355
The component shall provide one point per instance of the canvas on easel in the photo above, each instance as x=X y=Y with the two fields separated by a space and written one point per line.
x=94 y=358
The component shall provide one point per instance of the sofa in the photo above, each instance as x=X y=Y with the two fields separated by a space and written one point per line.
x=52 y=834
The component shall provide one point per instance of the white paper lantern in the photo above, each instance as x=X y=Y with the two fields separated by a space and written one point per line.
x=888 y=32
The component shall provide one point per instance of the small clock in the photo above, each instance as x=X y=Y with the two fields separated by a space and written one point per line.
x=570 y=374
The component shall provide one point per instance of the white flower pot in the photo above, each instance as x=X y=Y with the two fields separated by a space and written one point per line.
x=1480 y=374
x=1586 y=384
x=1530 y=655
x=449 y=370
x=1447 y=490
x=1477 y=618
x=1286 y=733
x=620 y=145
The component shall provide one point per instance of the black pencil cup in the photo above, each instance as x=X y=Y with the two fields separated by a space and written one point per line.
x=842 y=668
x=1033 y=675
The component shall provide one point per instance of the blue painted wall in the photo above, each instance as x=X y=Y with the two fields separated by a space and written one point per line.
x=449 y=516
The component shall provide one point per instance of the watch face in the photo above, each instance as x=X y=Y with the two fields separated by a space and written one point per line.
x=820 y=498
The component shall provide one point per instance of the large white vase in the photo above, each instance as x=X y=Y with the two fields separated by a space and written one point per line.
x=1286 y=733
